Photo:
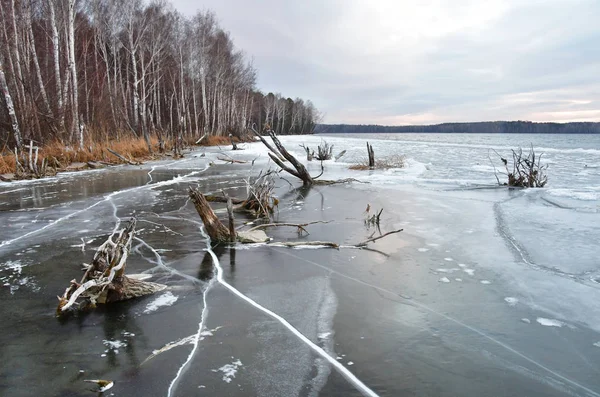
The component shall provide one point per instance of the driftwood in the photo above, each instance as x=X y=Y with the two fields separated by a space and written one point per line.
x=324 y=151
x=104 y=280
x=310 y=154
x=217 y=231
x=527 y=171
x=340 y=155
x=300 y=226
x=201 y=139
x=122 y=158
x=260 y=199
x=232 y=160
x=298 y=170
x=264 y=141
x=373 y=239
x=213 y=226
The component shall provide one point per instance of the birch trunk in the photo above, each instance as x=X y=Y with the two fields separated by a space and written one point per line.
x=11 y=109
x=55 y=51
x=36 y=65
x=75 y=128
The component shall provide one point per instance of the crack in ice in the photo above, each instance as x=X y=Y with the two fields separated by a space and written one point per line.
x=360 y=386
x=454 y=320
x=109 y=197
x=195 y=338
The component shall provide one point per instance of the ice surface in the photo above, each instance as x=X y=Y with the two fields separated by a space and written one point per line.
x=305 y=307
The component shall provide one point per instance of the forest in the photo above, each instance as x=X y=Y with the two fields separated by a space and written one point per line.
x=81 y=71
x=486 y=127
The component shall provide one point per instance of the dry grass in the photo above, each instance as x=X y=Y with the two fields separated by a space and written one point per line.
x=7 y=163
x=393 y=161
x=221 y=140
x=129 y=147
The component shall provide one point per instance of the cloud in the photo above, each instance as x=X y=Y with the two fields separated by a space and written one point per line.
x=424 y=61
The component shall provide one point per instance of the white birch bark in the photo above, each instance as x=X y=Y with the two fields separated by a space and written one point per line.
x=11 y=109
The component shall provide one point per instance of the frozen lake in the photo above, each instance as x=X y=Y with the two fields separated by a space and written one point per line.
x=488 y=291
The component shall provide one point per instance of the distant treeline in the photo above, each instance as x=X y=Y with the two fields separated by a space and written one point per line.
x=487 y=127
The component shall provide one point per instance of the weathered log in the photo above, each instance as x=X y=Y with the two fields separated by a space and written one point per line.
x=340 y=155
x=122 y=158
x=300 y=170
x=201 y=139
x=104 y=280
x=299 y=226
x=232 y=160
x=213 y=226
x=264 y=141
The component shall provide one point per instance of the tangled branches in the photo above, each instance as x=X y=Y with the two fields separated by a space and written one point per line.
x=527 y=170
x=104 y=280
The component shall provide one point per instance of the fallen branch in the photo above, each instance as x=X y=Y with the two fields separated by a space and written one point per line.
x=122 y=158
x=300 y=226
x=231 y=160
x=371 y=240
x=340 y=155
x=201 y=139
x=293 y=244
x=264 y=141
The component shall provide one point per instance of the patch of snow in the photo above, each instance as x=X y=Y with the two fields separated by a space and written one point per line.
x=448 y=259
x=470 y=272
x=526 y=320
x=511 y=301
x=458 y=279
x=350 y=363
x=423 y=249
x=324 y=335
x=548 y=322
x=229 y=370
x=486 y=282
x=166 y=299
x=597 y=344
x=444 y=280
x=113 y=345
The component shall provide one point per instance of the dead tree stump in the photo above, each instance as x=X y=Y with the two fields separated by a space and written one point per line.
x=104 y=280
x=371 y=154
x=213 y=226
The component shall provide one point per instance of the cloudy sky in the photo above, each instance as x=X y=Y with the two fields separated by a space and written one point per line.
x=423 y=61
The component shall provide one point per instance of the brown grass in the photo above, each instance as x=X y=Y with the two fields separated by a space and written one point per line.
x=393 y=161
x=129 y=147
x=222 y=140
